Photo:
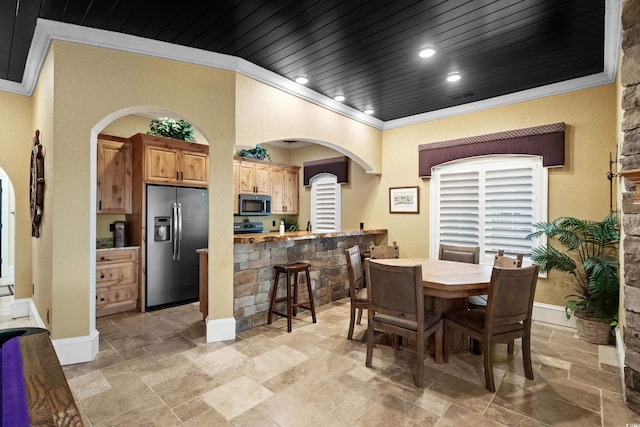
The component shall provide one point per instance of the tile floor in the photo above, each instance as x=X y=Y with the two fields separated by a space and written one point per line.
x=156 y=369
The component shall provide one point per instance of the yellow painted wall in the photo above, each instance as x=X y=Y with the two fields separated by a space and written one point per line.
x=578 y=189
x=15 y=154
x=43 y=247
x=91 y=84
x=268 y=114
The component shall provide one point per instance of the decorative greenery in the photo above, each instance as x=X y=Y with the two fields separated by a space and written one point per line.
x=259 y=153
x=595 y=245
x=291 y=224
x=178 y=129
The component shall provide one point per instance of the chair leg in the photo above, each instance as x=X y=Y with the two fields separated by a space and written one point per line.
x=359 y=316
x=289 y=307
x=295 y=294
x=369 y=344
x=488 y=366
x=274 y=294
x=526 y=356
x=352 y=319
x=439 y=342
x=420 y=359
x=311 y=303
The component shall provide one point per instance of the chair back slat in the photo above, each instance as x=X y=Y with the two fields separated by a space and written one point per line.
x=511 y=293
x=468 y=254
x=354 y=268
x=395 y=290
x=384 y=251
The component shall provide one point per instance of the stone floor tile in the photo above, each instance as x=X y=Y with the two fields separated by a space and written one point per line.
x=182 y=388
x=87 y=385
x=236 y=397
x=153 y=412
x=596 y=378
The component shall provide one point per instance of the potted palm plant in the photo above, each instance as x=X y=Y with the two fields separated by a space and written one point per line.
x=589 y=254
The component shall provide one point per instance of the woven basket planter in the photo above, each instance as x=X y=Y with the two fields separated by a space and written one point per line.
x=592 y=330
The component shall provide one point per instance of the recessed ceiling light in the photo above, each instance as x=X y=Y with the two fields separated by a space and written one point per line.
x=302 y=80
x=453 y=77
x=368 y=111
x=339 y=98
x=427 y=52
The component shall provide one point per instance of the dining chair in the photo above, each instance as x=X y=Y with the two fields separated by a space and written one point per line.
x=468 y=254
x=500 y=260
x=396 y=307
x=384 y=251
x=357 y=291
x=507 y=317
x=480 y=301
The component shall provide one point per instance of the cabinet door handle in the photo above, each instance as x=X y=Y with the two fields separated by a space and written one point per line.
x=100 y=205
x=177 y=176
x=102 y=275
x=101 y=258
x=181 y=176
x=101 y=299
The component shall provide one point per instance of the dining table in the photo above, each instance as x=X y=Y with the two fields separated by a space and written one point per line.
x=447 y=285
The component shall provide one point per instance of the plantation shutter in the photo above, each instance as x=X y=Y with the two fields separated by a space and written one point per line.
x=325 y=203
x=460 y=208
x=489 y=202
x=509 y=210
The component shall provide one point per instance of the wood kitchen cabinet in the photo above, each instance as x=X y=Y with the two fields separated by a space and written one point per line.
x=114 y=175
x=173 y=162
x=284 y=190
x=253 y=178
x=116 y=281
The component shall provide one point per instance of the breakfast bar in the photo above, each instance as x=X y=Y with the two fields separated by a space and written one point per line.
x=255 y=255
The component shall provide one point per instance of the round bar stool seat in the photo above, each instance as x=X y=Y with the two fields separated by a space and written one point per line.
x=291 y=298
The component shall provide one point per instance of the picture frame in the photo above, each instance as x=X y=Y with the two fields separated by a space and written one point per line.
x=404 y=200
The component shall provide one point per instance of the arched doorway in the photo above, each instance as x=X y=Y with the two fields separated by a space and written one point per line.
x=7 y=228
x=123 y=123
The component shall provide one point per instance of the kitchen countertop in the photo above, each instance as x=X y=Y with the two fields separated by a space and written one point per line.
x=299 y=235
x=116 y=249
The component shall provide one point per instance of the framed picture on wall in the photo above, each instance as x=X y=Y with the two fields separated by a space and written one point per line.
x=404 y=200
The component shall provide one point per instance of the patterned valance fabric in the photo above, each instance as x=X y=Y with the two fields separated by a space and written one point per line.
x=338 y=166
x=546 y=141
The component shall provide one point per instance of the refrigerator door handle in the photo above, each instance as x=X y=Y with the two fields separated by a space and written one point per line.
x=179 y=228
x=174 y=220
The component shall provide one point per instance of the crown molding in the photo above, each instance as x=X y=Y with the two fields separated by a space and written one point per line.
x=47 y=31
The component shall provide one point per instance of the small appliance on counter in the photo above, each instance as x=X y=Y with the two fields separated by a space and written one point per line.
x=119 y=234
x=247 y=227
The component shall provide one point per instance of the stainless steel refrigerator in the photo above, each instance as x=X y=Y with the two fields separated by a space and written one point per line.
x=177 y=225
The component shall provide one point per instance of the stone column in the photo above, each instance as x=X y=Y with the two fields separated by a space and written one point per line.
x=630 y=80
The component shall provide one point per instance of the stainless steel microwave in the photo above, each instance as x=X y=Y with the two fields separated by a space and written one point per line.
x=254 y=204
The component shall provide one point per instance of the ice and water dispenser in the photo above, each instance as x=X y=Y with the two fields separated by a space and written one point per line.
x=162 y=228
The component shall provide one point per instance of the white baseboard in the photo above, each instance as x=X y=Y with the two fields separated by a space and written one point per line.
x=553 y=314
x=69 y=350
x=22 y=308
x=77 y=349
x=221 y=329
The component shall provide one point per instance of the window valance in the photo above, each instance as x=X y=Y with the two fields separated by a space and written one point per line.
x=338 y=166
x=546 y=141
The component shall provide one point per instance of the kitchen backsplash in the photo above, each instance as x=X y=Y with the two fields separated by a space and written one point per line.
x=104 y=242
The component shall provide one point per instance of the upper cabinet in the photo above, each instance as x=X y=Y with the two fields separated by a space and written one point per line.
x=284 y=190
x=172 y=161
x=114 y=175
x=275 y=180
x=253 y=178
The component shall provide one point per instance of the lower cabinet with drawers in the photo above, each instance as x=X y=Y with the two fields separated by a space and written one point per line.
x=116 y=280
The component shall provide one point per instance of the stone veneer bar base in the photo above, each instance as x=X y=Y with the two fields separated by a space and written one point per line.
x=254 y=277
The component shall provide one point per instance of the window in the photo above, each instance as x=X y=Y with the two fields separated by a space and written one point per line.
x=325 y=203
x=491 y=202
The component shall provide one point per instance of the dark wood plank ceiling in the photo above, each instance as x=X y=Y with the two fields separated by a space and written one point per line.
x=366 y=50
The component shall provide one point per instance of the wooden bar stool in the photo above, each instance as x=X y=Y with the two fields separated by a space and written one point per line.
x=291 y=299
